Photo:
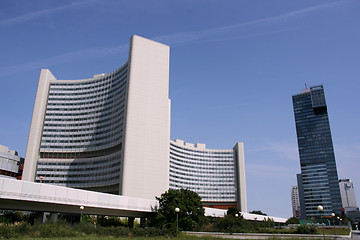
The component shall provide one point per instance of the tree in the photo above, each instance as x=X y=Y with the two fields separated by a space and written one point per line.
x=258 y=212
x=232 y=211
x=12 y=216
x=191 y=209
x=293 y=220
x=232 y=222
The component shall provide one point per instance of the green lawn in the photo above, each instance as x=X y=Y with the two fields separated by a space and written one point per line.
x=337 y=231
x=181 y=237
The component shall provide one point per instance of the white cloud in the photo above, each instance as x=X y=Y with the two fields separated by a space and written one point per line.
x=189 y=37
x=70 y=56
x=38 y=14
x=172 y=39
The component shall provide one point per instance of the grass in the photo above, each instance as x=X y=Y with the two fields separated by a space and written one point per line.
x=332 y=231
x=180 y=237
x=327 y=231
x=64 y=231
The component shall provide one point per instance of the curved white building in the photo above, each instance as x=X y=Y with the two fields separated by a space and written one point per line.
x=218 y=176
x=93 y=133
x=110 y=133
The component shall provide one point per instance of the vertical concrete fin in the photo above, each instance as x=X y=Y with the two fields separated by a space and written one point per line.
x=240 y=176
x=37 y=122
x=147 y=127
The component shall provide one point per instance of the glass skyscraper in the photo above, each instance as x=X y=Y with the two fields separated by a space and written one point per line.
x=318 y=167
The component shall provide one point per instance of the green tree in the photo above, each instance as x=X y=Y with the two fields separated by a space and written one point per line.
x=269 y=223
x=231 y=223
x=191 y=210
x=293 y=220
x=233 y=211
x=258 y=212
x=12 y=216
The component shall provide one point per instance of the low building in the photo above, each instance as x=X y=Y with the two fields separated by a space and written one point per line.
x=11 y=163
x=349 y=205
x=218 y=176
x=295 y=201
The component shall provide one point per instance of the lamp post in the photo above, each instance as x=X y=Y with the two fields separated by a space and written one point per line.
x=177 y=210
x=320 y=209
x=81 y=209
x=333 y=216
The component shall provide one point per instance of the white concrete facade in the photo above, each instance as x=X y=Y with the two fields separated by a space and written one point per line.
x=347 y=192
x=33 y=146
x=146 y=147
x=109 y=133
x=241 y=179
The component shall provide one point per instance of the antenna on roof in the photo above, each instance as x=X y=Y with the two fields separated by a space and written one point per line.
x=306 y=86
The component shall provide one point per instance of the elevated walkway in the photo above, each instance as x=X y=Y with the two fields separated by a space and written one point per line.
x=248 y=216
x=31 y=196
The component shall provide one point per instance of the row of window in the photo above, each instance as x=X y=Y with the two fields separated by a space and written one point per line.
x=86 y=146
x=197 y=151
x=82 y=177
x=100 y=117
x=195 y=163
x=2 y=159
x=121 y=70
x=103 y=97
x=80 y=127
x=100 y=90
x=202 y=170
x=65 y=112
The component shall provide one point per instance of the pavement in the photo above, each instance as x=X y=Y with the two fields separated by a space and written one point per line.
x=356 y=234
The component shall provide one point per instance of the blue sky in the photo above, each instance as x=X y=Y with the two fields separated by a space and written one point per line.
x=234 y=66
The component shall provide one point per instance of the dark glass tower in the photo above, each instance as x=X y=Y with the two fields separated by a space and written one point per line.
x=318 y=167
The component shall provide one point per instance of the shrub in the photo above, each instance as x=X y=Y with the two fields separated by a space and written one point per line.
x=152 y=232
x=49 y=230
x=113 y=231
x=306 y=229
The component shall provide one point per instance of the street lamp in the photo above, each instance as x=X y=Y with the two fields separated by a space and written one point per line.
x=333 y=216
x=320 y=209
x=236 y=215
x=81 y=209
x=177 y=210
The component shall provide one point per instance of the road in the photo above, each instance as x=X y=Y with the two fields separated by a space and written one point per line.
x=356 y=234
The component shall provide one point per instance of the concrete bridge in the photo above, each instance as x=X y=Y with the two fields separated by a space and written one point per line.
x=31 y=196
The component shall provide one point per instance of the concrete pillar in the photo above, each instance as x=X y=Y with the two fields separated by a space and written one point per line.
x=39 y=218
x=142 y=221
x=53 y=217
x=131 y=222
